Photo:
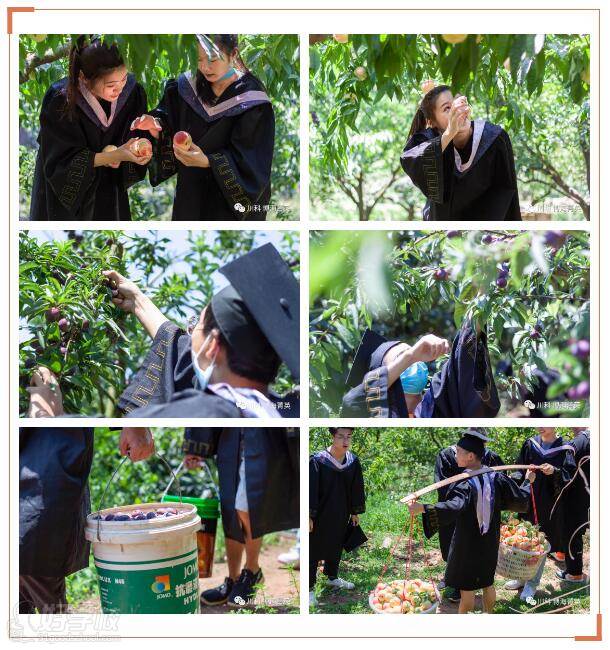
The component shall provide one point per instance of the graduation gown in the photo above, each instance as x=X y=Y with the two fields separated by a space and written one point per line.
x=577 y=499
x=473 y=552
x=272 y=474
x=481 y=188
x=66 y=184
x=446 y=466
x=164 y=385
x=237 y=135
x=336 y=491
x=546 y=489
x=463 y=388
x=54 y=466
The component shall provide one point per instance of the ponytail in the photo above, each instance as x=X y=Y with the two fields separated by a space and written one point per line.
x=94 y=58
x=425 y=110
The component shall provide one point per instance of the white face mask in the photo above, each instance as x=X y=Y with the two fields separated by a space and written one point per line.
x=203 y=376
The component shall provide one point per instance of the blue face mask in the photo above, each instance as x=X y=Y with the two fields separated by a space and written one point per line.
x=414 y=378
x=203 y=376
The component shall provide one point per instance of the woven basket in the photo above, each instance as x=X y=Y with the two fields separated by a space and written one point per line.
x=430 y=610
x=517 y=564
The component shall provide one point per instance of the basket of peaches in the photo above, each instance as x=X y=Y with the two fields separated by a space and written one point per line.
x=404 y=597
x=523 y=546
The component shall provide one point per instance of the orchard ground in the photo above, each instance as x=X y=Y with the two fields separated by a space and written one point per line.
x=279 y=594
x=383 y=523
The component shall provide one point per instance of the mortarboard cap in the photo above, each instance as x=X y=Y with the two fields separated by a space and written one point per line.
x=371 y=343
x=260 y=310
x=474 y=440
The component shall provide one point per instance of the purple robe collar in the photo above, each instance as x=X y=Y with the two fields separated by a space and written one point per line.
x=91 y=107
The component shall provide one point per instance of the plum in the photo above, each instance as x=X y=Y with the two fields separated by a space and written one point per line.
x=109 y=517
x=451 y=234
x=487 y=239
x=63 y=350
x=64 y=324
x=501 y=282
x=151 y=514
x=535 y=335
x=138 y=517
x=53 y=314
x=581 y=349
x=85 y=324
x=122 y=517
x=555 y=238
x=441 y=274
x=30 y=363
x=580 y=391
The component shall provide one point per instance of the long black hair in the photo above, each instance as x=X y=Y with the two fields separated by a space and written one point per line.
x=229 y=44
x=94 y=58
x=425 y=111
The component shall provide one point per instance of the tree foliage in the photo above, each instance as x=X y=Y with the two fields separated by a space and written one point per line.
x=100 y=347
x=529 y=289
x=153 y=59
x=530 y=84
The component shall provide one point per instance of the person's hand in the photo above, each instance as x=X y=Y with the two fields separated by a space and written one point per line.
x=194 y=157
x=137 y=443
x=124 y=291
x=530 y=475
x=191 y=461
x=459 y=116
x=125 y=154
x=547 y=469
x=415 y=508
x=355 y=520
x=46 y=400
x=147 y=123
x=430 y=347
x=310 y=525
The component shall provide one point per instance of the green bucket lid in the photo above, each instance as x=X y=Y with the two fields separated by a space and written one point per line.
x=206 y=508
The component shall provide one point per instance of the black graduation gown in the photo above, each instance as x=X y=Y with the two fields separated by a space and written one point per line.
x=473 y=555
x=54 y=466
x=237 y=134
x=164 y=385
x=577 y=499
x=66 y=184
x=272 y=474
x=335 y=493
x=547 y=488
x=486 y=191
x=463 y=388
x=446 y=466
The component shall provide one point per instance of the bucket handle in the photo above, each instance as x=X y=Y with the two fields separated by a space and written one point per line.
x=116 y=471
x=206 y=468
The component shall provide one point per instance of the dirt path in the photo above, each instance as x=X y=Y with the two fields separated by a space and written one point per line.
x=279 y=593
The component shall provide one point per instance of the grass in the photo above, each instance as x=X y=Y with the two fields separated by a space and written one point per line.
x=383 y=522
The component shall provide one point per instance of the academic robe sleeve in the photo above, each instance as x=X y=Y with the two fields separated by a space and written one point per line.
x=242 y=169
x=358 y=497
x=163 y=163
x=167 y=369
x=314 y=487
x=370 y=399
x=201 y=441
x=130 y=172
x=445 y=512
x=67 y=161
x=464 y=387
x=505 y=176
x=428 y=166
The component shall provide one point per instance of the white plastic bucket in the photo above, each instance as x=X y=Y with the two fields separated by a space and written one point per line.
x=148 y=566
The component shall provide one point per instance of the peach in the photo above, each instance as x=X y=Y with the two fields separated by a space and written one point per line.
x=341 y=38
x=361 y=73
x=183 y=140
x=453 y=39
x=109 y=147
x=141 y=147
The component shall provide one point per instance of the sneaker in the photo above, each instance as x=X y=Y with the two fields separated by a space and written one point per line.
x=558 y=556
x=514 y=585
x=452 y=595
x=218 y=595
x=564 y=575
x=290 y=558
x=313 y=601
x=244 y=588
x=340 y=583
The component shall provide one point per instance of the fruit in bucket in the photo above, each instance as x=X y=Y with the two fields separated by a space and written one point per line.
x=523 y=535
x=141 y=147
x=403 y=597
x=139 y=514
x=183 y=140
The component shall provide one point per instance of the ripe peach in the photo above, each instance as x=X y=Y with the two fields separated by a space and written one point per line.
x=341 y=38
x=361 y=73
x=454 y=38
x=427 y=85
x=141 y=147
x=183 y=140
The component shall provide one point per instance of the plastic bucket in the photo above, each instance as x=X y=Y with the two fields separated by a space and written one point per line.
x=149 y=566
x=208 y=510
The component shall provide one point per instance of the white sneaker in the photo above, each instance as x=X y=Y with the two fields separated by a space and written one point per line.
x=514 y=585
x=291 y=557
x=313 y=601
x=340 y=583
